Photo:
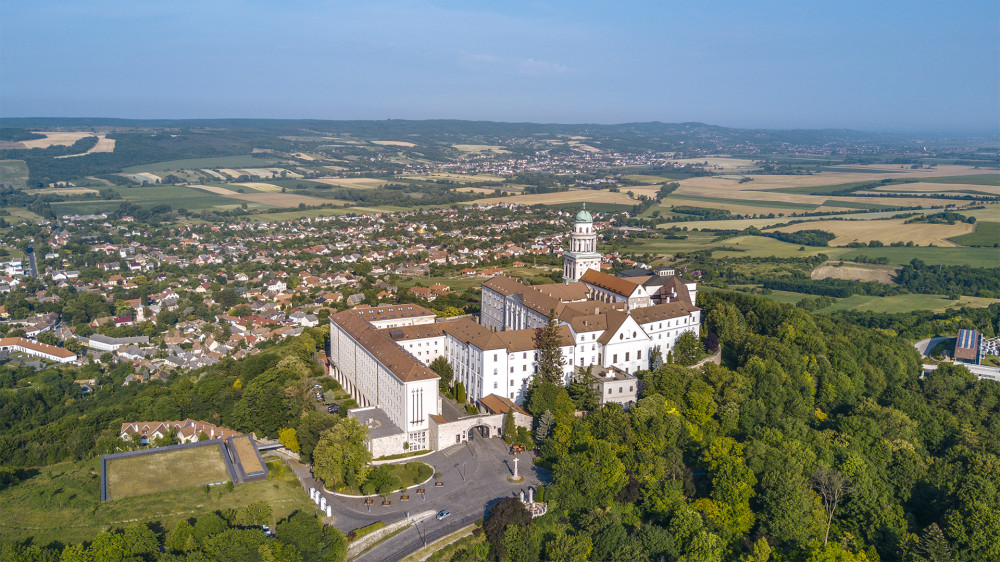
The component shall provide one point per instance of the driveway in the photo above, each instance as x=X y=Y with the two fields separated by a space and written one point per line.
x=473 y=476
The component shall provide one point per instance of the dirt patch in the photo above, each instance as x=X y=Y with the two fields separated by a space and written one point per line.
x=272 y=199
x=836 y=270
x=394 y=143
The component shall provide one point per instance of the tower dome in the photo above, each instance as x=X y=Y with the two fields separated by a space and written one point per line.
x=584 y=215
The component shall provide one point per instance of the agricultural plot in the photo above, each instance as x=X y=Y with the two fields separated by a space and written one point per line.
x=178 y=197
x=180 y=468
x=454 y=177
x=905 y=303
x=855 y=272
x=52 y=138
x=199 y=163
x=885 y=231
x=143 y=177
x=575 y=196
x=393 y=143
x=214 y=174
x=355 y=183
x=259 y=186
x=987 y=234
x=104 y=144
x=14 y=172
x=269 y=199
x=972 y=257
x=480 y=148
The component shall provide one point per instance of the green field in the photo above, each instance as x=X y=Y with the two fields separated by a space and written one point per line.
x=246 y=161
x=904 y=303
x=747 y=202
x=987 y=234
x=596 y=207
x=972 y=257
x=62 y=502
x=856 y=205
x=14 y=172
x=149 y=474
x=177 y=196
x=984 y=179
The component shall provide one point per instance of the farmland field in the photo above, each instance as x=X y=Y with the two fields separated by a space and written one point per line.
x=61 y=502
x=355 y=183
x=905 y=303
x=987 y=234
x=972 y=257
x=178 y=197
x=853 y=272
x=270 y=199
x=199 y=163
x=480 y=148
x=886 y=231
x=180 y=468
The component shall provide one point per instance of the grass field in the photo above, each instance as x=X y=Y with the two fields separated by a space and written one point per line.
x=199 y=163
x=409 y=474
x=855 y=272
x=62 y=503
x=14 y=172
x=983 y=179
x=744 y=202
x=972 y=257
x=149 y=474
x=178 y=197
x=905 y=303
x=354 y=183
x=986 y=235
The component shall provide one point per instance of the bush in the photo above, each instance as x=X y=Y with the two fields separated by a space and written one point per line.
x=367 y=529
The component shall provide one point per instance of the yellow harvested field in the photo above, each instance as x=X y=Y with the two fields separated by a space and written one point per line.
x=886 y=231
x=230 y=172
x=394 y=143
x=454 y=177
x=261 y=186
x=356 y=183
x=104 y=144
x=56 y=138
x=899 y=171
x=836 y=270
x=481 y=148
x=303 y=156
x=272 y=199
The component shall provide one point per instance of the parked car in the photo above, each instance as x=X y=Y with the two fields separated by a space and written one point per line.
x=333 y=409
x=442 y=514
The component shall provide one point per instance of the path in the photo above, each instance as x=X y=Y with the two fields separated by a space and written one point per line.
x=714 y=358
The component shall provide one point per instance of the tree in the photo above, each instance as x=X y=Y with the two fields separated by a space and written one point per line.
x=583 y=389
x=289 y=439
x=257 y=513
x=443 y=368
x=832 y=487
x=341 y=457
x=507 y=512
x=550 y=360
x=509 y=427
x=933 y=546
x=687 y=349
x=569 y=548
x=521 y=544
x=314 y=540
x=545 y=425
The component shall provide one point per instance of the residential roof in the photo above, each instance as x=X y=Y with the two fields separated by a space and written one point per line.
x=497 y=404
x=37 y=347
x=656 y=313
x=617 y=285
x=389 y=312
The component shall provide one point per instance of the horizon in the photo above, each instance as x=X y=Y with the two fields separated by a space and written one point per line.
x=901 y=68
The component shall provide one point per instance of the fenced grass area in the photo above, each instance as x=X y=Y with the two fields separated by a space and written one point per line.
x=149 y=474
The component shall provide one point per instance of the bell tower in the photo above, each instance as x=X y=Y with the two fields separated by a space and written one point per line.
x=582 y=252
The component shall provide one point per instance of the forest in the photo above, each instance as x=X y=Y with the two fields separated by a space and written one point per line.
x=814 y=440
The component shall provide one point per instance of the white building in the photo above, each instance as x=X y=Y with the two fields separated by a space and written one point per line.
x=582 y=254
x=377 y=372
x=37 y=349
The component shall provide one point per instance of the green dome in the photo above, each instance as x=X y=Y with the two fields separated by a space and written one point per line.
x=584 y=216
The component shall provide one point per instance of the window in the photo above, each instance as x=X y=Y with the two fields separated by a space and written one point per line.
x=609 y=391
x=494 y=356
x=512 y=382
x=638 y=354
x=614 y=358
x=495 y=385
x=524 y=368
x=631 y=389
x=627 y=353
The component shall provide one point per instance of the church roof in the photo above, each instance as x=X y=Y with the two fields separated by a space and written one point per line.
x=584 y=215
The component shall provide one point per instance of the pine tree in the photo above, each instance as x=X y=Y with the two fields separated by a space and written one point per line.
x=545 y=423
x=550 y=360
x=509 y=429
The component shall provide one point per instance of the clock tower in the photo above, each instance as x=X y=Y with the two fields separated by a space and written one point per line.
x=582 y=252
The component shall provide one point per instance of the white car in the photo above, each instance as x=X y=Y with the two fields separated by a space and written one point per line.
x=442 y=514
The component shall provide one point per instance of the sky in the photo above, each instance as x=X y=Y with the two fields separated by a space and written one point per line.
x=873 y=65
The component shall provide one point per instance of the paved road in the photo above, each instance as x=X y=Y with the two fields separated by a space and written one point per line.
x=474 y=476
x=924 y=347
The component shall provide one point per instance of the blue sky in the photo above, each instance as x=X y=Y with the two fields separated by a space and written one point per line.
x=874 y=65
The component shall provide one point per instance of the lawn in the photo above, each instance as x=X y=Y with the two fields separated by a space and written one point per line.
x=409 y=474
x=199 y=163
x=61 y=502
x=148 y=474
x=986 y=234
